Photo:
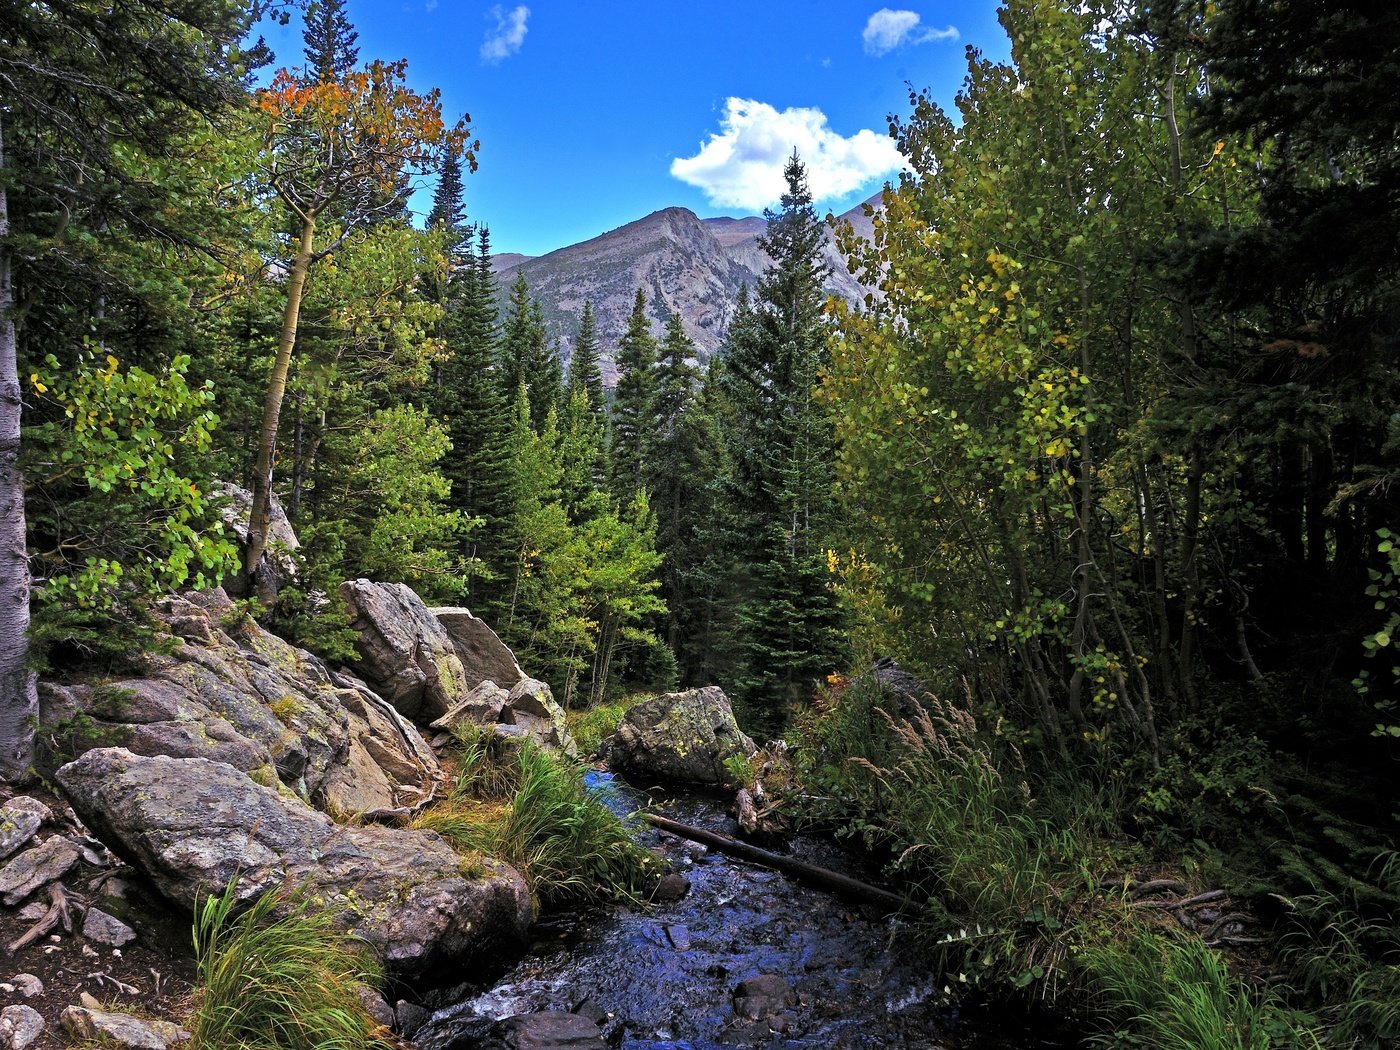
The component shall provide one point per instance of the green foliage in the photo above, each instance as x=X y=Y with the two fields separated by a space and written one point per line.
x=1378 y=643
x=1175 y=994
x=531 y=809
x=590 y=725
x=280 y=976
x=633 y=406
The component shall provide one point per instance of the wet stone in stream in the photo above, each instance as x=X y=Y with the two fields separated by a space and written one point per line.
x=748 y=958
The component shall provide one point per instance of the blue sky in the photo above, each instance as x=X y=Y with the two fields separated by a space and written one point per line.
x=592 y=113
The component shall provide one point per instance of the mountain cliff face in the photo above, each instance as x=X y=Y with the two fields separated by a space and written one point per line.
x=685 y=264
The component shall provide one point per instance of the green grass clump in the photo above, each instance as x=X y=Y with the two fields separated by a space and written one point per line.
x=280 y=976
x=530 y=808
x=590 y=727
x=1175 y=994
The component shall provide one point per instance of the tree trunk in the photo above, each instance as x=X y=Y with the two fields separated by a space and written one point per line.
x=19 y=704
x=260 y=516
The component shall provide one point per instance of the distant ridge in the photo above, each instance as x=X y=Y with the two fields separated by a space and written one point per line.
x=685 y=264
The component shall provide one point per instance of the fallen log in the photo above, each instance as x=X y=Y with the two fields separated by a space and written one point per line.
x=745 y=813
x=823 y=878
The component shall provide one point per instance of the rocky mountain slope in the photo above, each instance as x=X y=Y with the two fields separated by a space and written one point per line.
x=685 y=264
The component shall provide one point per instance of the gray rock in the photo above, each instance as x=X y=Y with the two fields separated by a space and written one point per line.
x=107 y=1026
x=482 y=707
x=35 y=868
x=377 y=1006
x=101 y=928
x=193 y=825
x=20 y=1027
x=32 y=805
x=680 y=736
x=763 y=996
x=245 y=697
x=33 y=911
x=27 y=985
x=409 y=1018
x=405 y=655
x=17 y=827
x=483 y=654
x=278 y=564
x=531 y=706
x=547 y=1030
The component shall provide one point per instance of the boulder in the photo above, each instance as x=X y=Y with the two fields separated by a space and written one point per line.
x=278 y=564
x=684 y=736
x=193 y=826
x=231 y=692
x=526 y=712
x=763 y=996
x=405 y=655
x=483 y=654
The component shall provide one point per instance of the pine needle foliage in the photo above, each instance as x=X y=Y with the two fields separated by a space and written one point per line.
x=281 y=975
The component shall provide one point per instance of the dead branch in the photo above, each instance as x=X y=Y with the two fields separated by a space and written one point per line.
x=57 y=913
x=823 y=878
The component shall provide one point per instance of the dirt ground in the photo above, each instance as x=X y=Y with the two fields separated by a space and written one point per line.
x=151 y=976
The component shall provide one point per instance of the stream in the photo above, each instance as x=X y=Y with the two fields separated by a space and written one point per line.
x=664 y=975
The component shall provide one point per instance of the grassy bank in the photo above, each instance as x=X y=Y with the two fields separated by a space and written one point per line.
x=1029 y=878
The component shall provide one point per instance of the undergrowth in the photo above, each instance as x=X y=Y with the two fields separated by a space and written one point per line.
x=531 y=809
x=591 y=726
x=1010 y=872
x=280 y=976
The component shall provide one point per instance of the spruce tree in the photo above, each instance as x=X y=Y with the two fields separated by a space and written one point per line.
x=584 y=372
x=330 y=41
x=633 y=407
x=673 y=469
x=781 y=454
x=477 y=418
x=526 y=355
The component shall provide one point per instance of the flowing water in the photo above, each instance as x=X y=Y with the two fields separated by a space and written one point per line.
x=664 y=975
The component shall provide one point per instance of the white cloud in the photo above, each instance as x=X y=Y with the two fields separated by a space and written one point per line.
x=509 y=34
x=888 y=29
x=742 y=165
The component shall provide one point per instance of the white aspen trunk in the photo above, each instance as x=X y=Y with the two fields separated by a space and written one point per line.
x=19 y=704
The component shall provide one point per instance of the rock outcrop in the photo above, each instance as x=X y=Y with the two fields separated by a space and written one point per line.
x=484 y=656
x=232 y=692
x=527 y=711
x=405 y=654
x=194 y=825
x=684 y=736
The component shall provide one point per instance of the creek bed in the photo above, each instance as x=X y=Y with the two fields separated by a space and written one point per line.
x=664 y=975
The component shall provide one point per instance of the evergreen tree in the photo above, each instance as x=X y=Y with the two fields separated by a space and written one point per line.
x=584 y=372
x=633 y=409
x=526 y=355
x=673 y=470
x=781 y=455
x=477 y=420
x=330 y=41
x=449 y=211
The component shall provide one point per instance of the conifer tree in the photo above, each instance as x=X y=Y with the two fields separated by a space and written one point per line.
x=526 y=354
x=673 y=469
x=330 y=41
x=633 y=402
x=584 y=372
x=780 y=447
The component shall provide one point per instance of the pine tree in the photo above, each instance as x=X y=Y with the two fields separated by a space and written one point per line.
x=584 y=372
x=526 y=354
x=449 y=211
x=330 y=41
x=477 y=418
x=633 y=410
x=673 y=469
x=781 y=454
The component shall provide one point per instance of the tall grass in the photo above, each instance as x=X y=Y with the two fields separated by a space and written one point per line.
x=590 y=727
x=530 y=808
x=280 y=976
x=1175 y=995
